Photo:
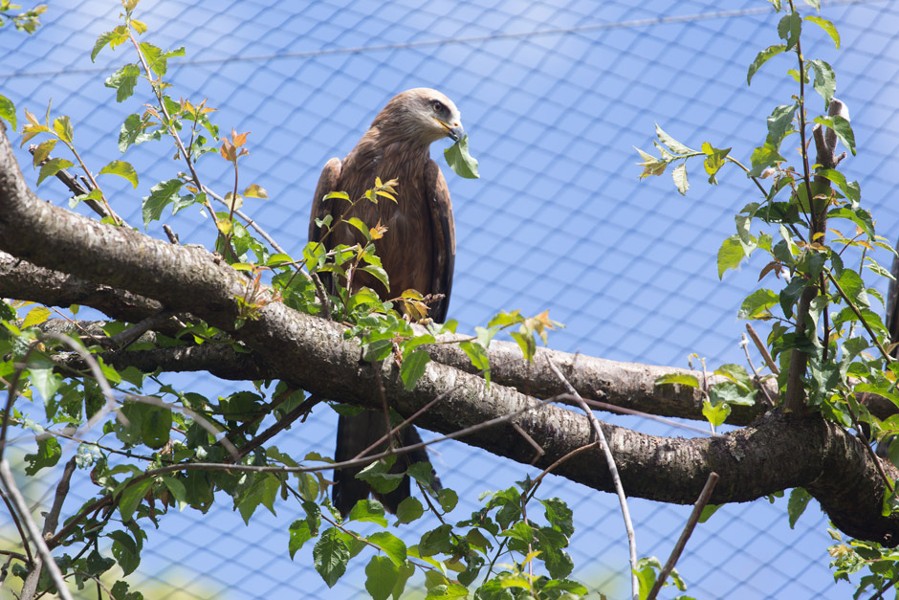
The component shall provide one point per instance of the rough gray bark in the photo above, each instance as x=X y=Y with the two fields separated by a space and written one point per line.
x=773 y=454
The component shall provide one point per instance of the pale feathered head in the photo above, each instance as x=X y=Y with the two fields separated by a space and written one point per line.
x=420 y=115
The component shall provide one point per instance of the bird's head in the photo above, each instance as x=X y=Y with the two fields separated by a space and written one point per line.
x=421 y=114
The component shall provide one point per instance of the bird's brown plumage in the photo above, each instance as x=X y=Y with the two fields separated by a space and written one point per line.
x=417 y=251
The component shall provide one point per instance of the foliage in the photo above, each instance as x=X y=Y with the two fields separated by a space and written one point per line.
x=826 y=332
x=164 y=447
x=27 y=21
x=149 y=446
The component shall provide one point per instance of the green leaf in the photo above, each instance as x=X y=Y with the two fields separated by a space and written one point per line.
x=177 y=489
x=393 y=547
x=825 y=80
x=672 y=144
x=113 y=38
x=799 y=499
x=780 y=123
x=337 y=195
x=125 y=551
x=45 y=381
x=766 y=155
x=842 y=128
x=52 y=167
x=134 y=131
x=828 y=27
x=459 y=159
x=478 y=356
x=43 y=150
x=263 y=489
x=330 y=556
x=854 y=287
x=679 y=175
x=448 y=498
x=36 y=316
x=147 y=424
x=48 y=454
x=413 y=367
x=789 y=29
x=436 y=541
x=255 y=190
x=410 y=509
x=851 y=190
x=678 y=379
x=62 y=127
x=161 y=195
x=763 y=57
x=708 y=511
x=756 y=305
x=379 y=477
x=405 y=572
x=380 y=577
x=360 y=226
x=728 y=392
x=8 y=111
x=368 y=510
x=123 y=81
x=729 y=255
x=131 y=497
x=300 y=533
x=123 y=169
x=651 y=165
x=715 y=159
x=559 y=515
x=715 y=414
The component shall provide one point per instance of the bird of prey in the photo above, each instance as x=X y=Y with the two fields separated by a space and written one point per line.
x=417 y=251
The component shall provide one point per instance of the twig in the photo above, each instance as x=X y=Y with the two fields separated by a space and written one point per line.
x=18 y=524
x=636 y=413
x=538 y=449
x=745 y=345
x=12 y=393
x=169 y=232
x=128 y=336
x=685 y=534
x=613 y=471
x=218 y=435
x=282 y=424
x=394 y=430
x=62 y=490
x=762 y=349
x=18 y=501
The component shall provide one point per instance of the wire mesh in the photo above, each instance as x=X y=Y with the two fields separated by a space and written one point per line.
x=554 y=95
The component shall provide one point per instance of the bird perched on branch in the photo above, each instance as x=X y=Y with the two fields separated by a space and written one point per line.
x=417 y=250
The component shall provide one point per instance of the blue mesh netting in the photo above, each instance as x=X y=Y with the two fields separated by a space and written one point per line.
x=554 y=95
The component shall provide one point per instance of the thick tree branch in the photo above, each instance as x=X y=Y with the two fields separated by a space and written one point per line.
x=776 y=453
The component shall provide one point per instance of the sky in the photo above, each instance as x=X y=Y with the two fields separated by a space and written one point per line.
x=555 y=97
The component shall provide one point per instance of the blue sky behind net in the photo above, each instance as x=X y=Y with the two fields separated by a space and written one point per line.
x=554 y=95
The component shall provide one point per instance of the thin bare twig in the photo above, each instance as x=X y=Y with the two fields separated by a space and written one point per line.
x=538 y=449
x=762 y=349
x=613 y=471
x=21 y=506
x=745 y=345
x=701 y=503
x=18 y=524
x=62 y=490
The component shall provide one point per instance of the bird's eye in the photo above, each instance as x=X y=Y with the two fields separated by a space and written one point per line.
x=438 y=106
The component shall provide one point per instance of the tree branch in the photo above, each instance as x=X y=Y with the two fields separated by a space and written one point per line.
x=313 y=354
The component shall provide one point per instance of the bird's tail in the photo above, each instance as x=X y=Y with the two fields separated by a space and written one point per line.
x=357 y=432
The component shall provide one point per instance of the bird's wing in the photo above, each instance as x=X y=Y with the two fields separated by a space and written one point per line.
x=327 y=182
x=444 y=240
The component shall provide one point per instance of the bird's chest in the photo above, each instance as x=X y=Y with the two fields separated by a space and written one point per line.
x=406 y=248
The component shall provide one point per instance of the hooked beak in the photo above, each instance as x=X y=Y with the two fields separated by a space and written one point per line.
x=454 y=130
